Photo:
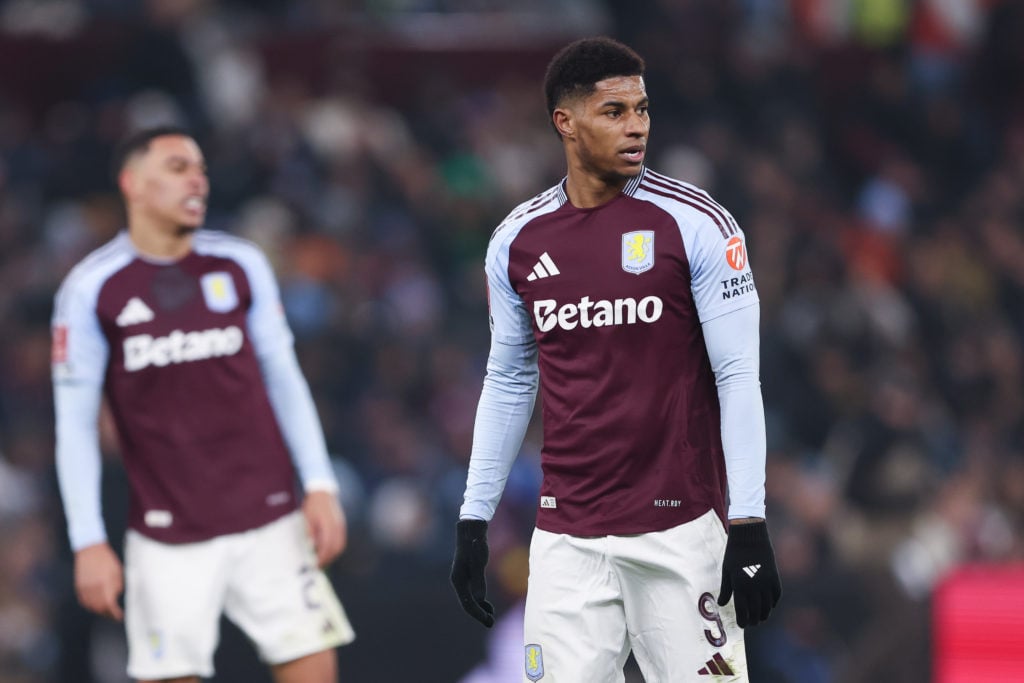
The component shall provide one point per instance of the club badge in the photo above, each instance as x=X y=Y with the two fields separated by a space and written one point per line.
x=219 y=292
x=534 y=662
x=638 y=251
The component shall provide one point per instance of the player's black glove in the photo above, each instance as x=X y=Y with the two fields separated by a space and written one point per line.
x=749 y=573
x=471 y=554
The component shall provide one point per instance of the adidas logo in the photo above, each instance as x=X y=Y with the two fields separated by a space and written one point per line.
x=716 y=666
x=545 y=267
x=134 y=312
x=751 y=570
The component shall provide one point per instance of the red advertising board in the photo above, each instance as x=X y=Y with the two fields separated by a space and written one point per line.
x=979 y=625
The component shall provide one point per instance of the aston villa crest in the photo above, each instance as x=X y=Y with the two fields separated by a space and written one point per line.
x=219 y=292
x=638 y=251
x=534 y=662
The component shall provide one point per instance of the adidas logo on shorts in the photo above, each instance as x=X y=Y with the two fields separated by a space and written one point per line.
x=716 y=666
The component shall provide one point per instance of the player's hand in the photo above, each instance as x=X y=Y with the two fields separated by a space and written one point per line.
x=325 y=521
x=749 y=573
x=99 y=580
x=467 y=577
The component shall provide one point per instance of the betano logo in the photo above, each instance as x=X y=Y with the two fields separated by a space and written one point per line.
x=143 y=350
x=601 y=313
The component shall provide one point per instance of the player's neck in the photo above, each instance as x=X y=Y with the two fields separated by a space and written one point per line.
x=587 y=190
x=160 y=242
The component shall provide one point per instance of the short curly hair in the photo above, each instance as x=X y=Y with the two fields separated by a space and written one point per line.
x=578 y=66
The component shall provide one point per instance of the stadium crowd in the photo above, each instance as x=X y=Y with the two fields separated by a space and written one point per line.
x=872 y=152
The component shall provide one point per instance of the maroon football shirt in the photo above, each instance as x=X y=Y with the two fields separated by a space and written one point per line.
x=614 y=298
x=174 y=345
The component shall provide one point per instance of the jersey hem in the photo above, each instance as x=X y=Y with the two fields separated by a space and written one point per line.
x=184 y=538
x=625 y=529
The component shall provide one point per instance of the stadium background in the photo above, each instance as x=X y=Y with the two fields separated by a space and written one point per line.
x=873 y=150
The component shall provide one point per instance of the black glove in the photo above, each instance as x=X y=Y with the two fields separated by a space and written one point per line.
x=749 y=573
x=468 y=569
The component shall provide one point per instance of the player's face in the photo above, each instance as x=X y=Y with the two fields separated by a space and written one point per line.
x=611 y=128
x=167 y=185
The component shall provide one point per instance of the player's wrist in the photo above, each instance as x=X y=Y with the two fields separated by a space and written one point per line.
x=470 y=529
x=324 y=485
x=737 y=521
x=752 y=533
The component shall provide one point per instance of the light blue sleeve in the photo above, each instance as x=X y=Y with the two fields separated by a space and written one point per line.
x=80 y=354
x=502 y=417
x=510 y=321
x=509 y=390
x=720 y=275
x=268 y=327
x=297 y=417
x=733 y=345
x=287 y=388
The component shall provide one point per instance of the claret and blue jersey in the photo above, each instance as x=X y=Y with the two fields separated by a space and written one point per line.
x=614 y=298
x=175 y=347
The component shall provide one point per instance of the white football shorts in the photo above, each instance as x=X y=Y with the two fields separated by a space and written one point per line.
x=591 y=600
x=265 y=580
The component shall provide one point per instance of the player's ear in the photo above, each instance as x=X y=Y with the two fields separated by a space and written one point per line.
x=126 y=182
x=565 y=122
